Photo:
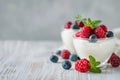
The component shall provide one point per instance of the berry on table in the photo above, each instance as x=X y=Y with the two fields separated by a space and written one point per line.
x=109 y=34
x=73 y=57
x=93 y=38
x=100 y=33
x=54 y=59
x=68 y=25
x=82 y=65
x=77 y=34
x=103 y=27
x=85 y=32
x=65 y=54
x=58 y=52
x=66 y=65
x=114 y=60
x=78 y=58
x=75 y=26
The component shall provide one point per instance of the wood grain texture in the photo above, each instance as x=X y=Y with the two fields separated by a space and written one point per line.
x=25 y=60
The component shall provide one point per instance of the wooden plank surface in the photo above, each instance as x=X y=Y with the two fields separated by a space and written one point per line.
x=23 y=60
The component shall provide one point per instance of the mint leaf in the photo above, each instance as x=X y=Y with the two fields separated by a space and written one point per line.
x=84 y=21
x=96 y=22
x=92 y=59
x=78 y=18
x=97 y=63
x=95 y=70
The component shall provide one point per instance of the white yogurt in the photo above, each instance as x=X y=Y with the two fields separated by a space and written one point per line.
x=67 y=38
x=101 y=50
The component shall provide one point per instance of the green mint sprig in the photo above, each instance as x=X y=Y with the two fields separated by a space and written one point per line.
x=78 y=18
x=93 y=23
x=94 y=64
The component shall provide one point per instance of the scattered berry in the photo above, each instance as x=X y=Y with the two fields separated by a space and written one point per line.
x=65 y=54
x=73 y=57
x=54 y=59
x=81 y=24
x=103 y=27
x=114 y=60
x=75 y=26
x=109 y=34
x=82 y=65
x=66 y=65
x=100 y=33
x=68 y=25
x=85 y=32
x=93 y=38
x=58 y=52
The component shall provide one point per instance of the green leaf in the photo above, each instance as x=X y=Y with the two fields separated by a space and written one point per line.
x=92 y=59
x=95 y=70
x=97 y=63
x=84 y=21
x=96 y=22
x=78 y=18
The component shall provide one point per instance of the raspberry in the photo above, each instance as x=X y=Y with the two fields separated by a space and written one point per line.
x=81 y=24
x=100 y=33
x=103 y=27
x=114 y=60
x=68 y=25
x=85 y=32
x=77 y=34
x=65 y=54
x=82 y=65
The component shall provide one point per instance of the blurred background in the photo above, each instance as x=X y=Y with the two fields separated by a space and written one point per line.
x=44 y=19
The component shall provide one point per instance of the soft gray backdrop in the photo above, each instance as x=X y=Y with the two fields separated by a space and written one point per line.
x=43 y=19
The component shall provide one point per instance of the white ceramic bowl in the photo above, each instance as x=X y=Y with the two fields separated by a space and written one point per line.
x=101 y=50
x=67 y=38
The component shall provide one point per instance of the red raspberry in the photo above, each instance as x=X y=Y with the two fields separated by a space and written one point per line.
x=82 y=65
x=103 y=27
x=68 y=25
x=81 y=24
x=114 y=60
x=65 y=54
x=100 y=33
x=77 y=34
x=85 y=32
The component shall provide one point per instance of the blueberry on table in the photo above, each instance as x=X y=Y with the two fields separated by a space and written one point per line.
x=109 y=34
x=54 y=58
x=58 y=52
x=66 y=65
x=75 y=26
x=73 y=57
x=93 y=38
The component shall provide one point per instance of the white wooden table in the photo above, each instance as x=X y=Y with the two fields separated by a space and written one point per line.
x=25 y=60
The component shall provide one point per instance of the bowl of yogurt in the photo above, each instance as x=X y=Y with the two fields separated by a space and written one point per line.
x=67 y=35
x=96 y=40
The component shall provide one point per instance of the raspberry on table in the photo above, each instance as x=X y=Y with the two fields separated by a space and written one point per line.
x=82 y=65
x=68 y=25
x=103 y=27
x=65 y=54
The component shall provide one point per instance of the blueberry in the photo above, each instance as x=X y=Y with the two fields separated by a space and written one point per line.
x=78 y=58
x=75 y=26
x=54 y=59
x=93 y=38
x=73 y=57
x=109 y=34
x=58 y=52
x=66 y=65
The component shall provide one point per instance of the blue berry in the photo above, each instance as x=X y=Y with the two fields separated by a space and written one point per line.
x=75 y=26
x=73 y=57
x=66 y=65
x=54 y=59
x=109 y=34
x=58 y=52
x=78 y=58
x=93 y=38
